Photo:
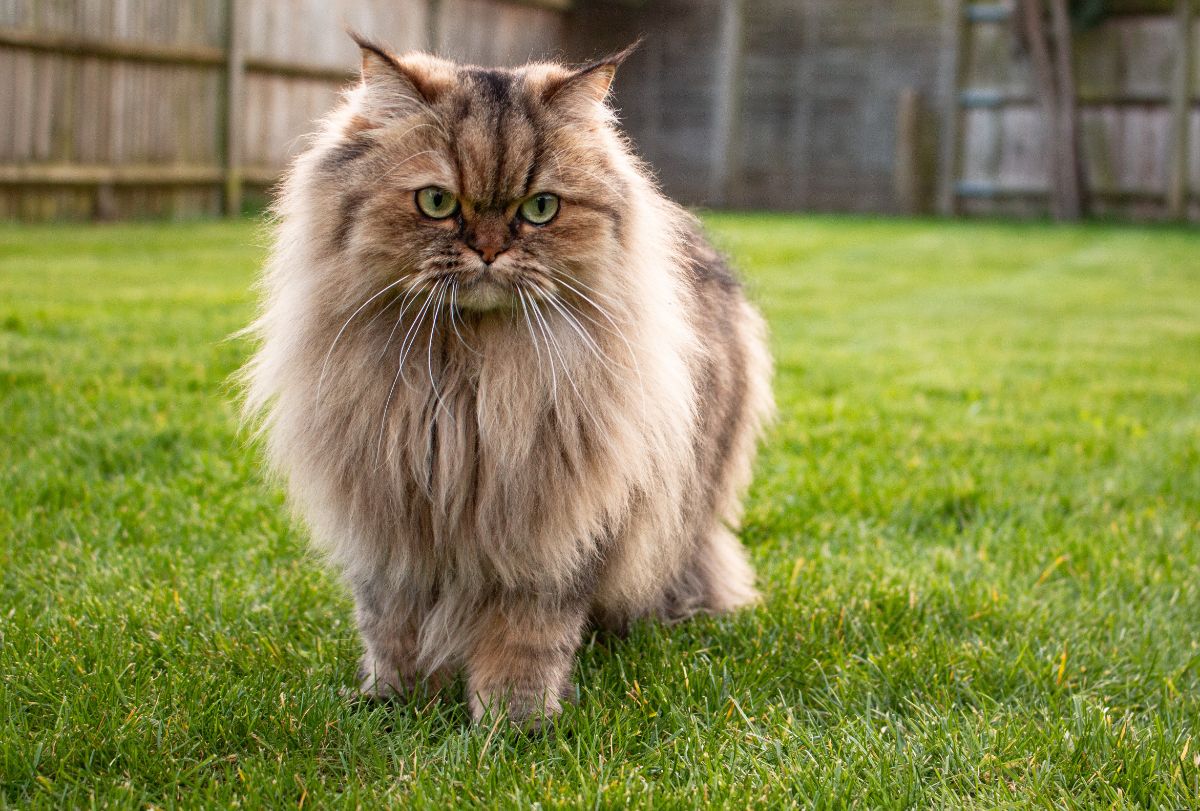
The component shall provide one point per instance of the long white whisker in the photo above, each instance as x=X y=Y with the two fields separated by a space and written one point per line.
x=338 y=337
x=454 y=320
x=553 y=375
x=615 y=329
x=605 y=296
x=410 y=337
x=540 y=325
x=528 y=324
x=437 y=311
x=551 y=339
x=399 y=373
x=383 y=310
x=409 y=298
x=554 y=301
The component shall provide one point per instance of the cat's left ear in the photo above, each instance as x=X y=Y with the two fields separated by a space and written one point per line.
x=589 y=83
x=395 y=85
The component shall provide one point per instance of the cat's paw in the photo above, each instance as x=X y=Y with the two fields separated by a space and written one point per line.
x=377 y=682
x=377 y=689
x=528 y=710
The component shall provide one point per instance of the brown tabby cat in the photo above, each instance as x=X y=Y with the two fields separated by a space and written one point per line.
x=510 y=386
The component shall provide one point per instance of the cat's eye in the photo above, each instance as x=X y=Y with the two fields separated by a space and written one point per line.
x=436 y=202
x=540 y=209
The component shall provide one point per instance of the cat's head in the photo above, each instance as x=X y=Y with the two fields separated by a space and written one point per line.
x=497 y=182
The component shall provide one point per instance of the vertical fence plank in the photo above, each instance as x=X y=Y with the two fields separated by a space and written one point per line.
x=433 y=22
x=723 y=171
x=235 y=71
x=1181 y=108
x=906 y=168
x=952 y=114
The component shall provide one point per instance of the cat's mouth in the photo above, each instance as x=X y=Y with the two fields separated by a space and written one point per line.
x=484 y=293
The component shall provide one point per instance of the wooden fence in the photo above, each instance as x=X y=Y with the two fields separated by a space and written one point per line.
x=118 y=108
x=781 y=104
x=1138 y=79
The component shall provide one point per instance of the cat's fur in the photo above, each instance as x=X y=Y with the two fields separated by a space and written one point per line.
x=494 y=469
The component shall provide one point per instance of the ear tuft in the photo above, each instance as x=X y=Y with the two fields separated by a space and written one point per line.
x=375 y=57
x=590 y=82
x=392 y=86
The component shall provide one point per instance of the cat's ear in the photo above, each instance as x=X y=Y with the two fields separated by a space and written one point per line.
x=394 y=86
x=589 y=84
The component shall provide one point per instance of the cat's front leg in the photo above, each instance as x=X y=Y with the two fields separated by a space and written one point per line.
x=521 y=659
x=389 y=624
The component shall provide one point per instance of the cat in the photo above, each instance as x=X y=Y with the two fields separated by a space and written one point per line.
x=509 y=386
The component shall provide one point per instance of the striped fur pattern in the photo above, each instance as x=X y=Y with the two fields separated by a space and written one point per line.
x=498 y=454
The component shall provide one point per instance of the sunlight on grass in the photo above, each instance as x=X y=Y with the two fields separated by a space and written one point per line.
x=977 y=525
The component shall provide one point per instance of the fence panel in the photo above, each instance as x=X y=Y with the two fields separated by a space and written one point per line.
x=1136 y=85
x=120 y=108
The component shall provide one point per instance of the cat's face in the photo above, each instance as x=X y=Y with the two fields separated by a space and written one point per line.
x=478 y=186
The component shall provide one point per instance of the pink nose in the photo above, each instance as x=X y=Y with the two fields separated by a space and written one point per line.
x=489 y=237
x=489 y=251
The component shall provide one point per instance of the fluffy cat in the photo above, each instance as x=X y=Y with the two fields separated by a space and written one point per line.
x=508 y=384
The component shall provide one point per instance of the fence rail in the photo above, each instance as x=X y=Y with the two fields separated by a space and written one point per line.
x=232 y=174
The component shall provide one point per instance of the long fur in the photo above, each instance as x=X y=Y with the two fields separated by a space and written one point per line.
x=492 y=465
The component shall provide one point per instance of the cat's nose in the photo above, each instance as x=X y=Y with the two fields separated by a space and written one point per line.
x=488 y=252
x=489 y=240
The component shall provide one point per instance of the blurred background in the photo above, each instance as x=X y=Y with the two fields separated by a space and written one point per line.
x=116 y=109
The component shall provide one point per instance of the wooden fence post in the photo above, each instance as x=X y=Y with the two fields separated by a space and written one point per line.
x=722 y=160
x=235 y=71
x=957 y=40
x=433 y=25
x=1181 y=108
x=907 y=164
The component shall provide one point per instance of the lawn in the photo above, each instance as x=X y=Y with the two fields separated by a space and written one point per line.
x=977 y=525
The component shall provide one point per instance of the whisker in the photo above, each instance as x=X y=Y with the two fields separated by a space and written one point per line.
x=555 y=301
x=413 y=332
x=533 y=337
x=437 y=311
x=540 y=324
x=408 y=300
x=559 y=272
x=399 y=373
x=551 y=339
x=338 y=337
x=615 y=329
x=383 y=310
x=454 y=320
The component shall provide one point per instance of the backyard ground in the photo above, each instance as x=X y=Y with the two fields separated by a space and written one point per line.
x=976 y=522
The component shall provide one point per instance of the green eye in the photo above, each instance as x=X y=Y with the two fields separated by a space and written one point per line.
x=436 y=203
x=540 y=209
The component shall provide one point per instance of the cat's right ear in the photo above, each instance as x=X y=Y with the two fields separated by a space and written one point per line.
x=393 y=87
x=587 y=85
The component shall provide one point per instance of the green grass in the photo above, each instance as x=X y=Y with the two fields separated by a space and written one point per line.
x=977 y=525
